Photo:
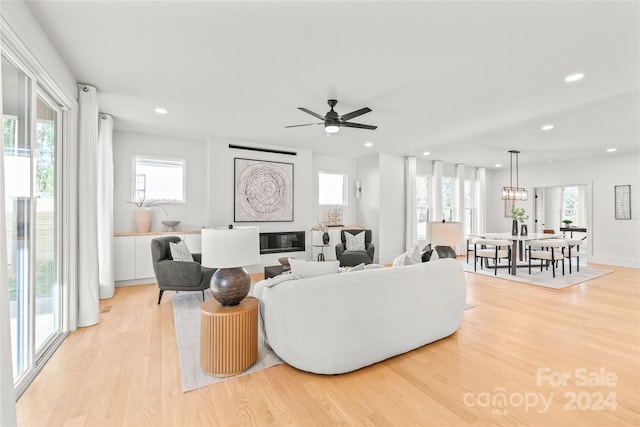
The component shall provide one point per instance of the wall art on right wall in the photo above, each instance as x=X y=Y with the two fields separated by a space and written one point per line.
x=622 y=195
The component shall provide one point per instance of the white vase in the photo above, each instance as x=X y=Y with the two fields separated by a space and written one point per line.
x=142 y=219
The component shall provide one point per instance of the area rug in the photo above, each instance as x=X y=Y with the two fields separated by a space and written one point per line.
x=541 y=278
x=186 y=312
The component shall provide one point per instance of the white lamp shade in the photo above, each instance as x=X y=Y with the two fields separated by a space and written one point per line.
x=446 y=233
x=230 y=247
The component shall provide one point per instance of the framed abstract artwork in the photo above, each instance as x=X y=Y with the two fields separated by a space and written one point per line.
x=622 y=194
x=263 y=191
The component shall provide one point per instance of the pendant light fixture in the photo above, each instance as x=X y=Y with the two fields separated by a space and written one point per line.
x=511 y=192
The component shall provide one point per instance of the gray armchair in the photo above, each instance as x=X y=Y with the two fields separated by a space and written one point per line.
x=178 y=275
x=351 y=258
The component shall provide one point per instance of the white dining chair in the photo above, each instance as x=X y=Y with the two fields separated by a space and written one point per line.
x=550 y=250
x=491 y=249
x=573 y=245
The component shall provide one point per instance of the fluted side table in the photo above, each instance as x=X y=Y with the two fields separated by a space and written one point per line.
x=228 y=337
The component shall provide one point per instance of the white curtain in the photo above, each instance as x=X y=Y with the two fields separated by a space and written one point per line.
x=88 y=276
x=410 y=202
x=436 y=193
x=7 y=392
x=481 y=198
x=459 y=211
x=105 y=205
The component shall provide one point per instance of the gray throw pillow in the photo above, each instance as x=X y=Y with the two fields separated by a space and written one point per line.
x=180 y=252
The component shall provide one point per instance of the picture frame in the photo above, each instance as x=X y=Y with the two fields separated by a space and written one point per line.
x=622 y=196
x=263 y=191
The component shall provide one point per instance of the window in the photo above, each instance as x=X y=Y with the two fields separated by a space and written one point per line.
x=570 y=203
x=332 y=189
x=160 y=180
x=447 y=211
x=422 y=206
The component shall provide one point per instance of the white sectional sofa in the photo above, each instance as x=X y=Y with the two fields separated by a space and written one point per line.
x=338 y=323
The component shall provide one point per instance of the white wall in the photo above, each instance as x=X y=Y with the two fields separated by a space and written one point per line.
x=368 y=209
x=392 y=208
x=221 y=192
x=611 y=241
x=22 y=22
x=193 y=213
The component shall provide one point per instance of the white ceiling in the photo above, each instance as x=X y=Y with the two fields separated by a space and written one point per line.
x=467 y=81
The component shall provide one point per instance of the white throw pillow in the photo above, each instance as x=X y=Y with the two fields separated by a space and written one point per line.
x=355 y=242
x=399 y=260
x=180 y=252
x=312 y=268
x=359 y=267
x=413 y=257
x=434 y=256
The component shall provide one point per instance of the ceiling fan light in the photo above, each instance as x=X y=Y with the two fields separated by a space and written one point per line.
x=331 y=128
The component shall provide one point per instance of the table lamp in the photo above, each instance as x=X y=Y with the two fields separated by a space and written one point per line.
x=444 y=235
x=230 y=250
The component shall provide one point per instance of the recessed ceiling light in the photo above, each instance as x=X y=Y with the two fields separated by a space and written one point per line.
x=426 y=153
x=368 y=144
x=547 y=127
x=161 y=110
x=498 y=165
x=574 y=77
x=611 y=150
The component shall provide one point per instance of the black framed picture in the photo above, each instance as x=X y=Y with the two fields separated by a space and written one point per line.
x=263 y=191
x=622 y=195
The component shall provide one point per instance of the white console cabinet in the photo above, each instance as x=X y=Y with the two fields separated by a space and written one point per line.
x=132 y=254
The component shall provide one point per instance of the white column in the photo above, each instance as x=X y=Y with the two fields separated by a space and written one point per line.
x=458 y=208
x=88 y=280
x=105 y=205
x=410 y=202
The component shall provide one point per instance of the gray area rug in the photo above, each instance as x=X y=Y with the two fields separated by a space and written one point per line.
x=541 y=278
x=186 y=312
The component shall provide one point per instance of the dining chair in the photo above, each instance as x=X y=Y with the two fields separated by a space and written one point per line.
x=573 y=243
x=491 y=249
x=550 y=250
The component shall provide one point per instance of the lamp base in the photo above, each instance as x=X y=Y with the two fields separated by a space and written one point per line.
x=445 y=252
x=230 y=285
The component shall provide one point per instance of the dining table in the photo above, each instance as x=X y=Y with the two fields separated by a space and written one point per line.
x=517 y=250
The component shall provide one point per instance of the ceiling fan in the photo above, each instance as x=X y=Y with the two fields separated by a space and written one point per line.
x=332 y=121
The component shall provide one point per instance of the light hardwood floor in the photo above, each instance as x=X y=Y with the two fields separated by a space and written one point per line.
x=125 y=371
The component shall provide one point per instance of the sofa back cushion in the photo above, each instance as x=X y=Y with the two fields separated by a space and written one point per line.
x=312 y=268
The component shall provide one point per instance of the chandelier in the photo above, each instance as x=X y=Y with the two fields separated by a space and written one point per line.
x=511 y=192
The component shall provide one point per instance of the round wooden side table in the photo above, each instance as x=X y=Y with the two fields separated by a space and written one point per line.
x=228 y=337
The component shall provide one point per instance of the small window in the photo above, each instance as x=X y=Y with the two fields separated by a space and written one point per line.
x=160 y=180
x=332 y=189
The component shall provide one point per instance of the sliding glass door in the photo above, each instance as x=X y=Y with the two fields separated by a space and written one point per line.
x=30 y=125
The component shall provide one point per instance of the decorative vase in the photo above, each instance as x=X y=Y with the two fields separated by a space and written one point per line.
x=142 y=218
x=325 y=238
x=514 y=227
x=523 y=230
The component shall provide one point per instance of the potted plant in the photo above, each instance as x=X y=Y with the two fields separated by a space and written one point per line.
x=567 y=222
x=142 y=215
x=518 y=215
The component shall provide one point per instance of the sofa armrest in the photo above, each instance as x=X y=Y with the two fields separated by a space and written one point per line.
x=339 y=250
x=371 y=249
x=178 y=273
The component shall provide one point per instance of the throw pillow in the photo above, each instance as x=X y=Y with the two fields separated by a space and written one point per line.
x=180 y=252
x=272 y=281
x=312 y=268
x=426 y=255
x=434 y=255
x=399 y=260
x=355 y=242
x=413 y=256
x=359 y=267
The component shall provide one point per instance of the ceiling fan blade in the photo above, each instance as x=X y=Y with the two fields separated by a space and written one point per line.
x=356 y=113
x=307 y=124
x=358 y=125
x=316 y=115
